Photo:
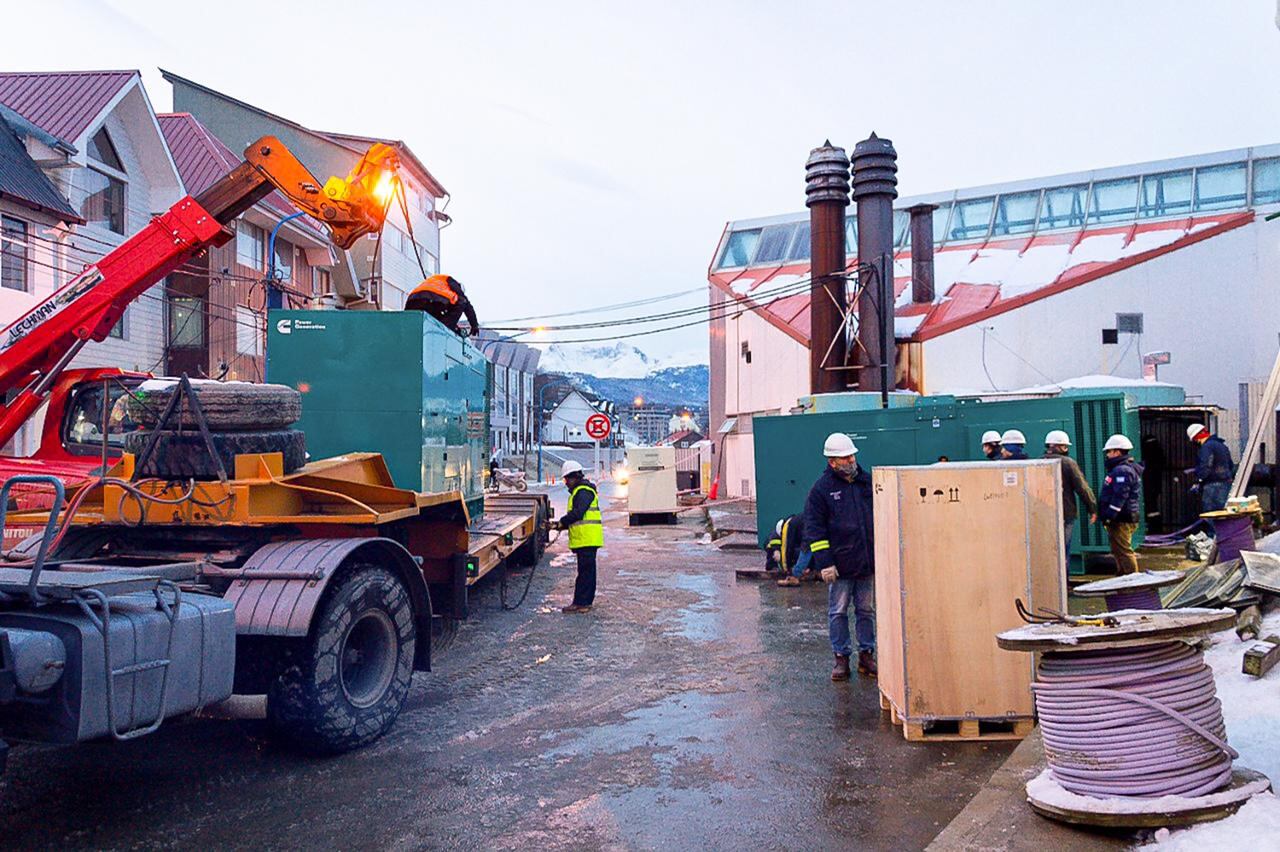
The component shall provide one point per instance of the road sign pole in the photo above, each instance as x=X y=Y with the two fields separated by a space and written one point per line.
x=597 y=443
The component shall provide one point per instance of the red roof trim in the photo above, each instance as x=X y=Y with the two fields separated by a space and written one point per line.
x=1067 y=282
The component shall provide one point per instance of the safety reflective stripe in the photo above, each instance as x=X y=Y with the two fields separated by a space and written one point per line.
x=818 y=546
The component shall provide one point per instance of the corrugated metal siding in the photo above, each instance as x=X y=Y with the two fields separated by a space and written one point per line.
x=62 y=103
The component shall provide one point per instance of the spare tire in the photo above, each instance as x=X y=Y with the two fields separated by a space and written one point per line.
x=184 y=455
x=227 y=406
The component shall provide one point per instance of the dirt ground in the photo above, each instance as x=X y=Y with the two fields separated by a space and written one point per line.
x=690 y=709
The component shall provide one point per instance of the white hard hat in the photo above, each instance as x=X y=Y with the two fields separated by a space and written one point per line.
x=778 y=529
x=1057 y=437
x=991 y=436
x=569 y=467
x=1118 y=442
x=1013 y=436
x=838 y=445
x=1195 y=429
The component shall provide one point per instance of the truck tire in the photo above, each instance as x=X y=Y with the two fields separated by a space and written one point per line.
x=184 y=456
x=346 y=685
x=227 y=406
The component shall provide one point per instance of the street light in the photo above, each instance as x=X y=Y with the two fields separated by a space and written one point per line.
x=541 y=425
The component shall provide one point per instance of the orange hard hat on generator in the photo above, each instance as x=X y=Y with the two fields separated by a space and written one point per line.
x=442 y=296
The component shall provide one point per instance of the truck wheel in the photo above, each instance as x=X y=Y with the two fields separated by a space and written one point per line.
x=227 y=406
x=184 y=456
x=345 y=687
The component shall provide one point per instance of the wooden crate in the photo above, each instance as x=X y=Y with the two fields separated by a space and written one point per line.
x=956 y=544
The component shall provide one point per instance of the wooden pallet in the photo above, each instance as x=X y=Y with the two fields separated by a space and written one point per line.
x=959 y=730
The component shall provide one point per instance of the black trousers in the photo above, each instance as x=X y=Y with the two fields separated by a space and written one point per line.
x=584 y=589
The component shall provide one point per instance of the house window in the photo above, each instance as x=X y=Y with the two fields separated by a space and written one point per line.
x=1219 y=187
x=13 y=254
x=103 y=203
x=1016 y=213
x=248 y=337
x=120 y=330
x=1114 y=200
x=320 y=281
x=740 y=248
x=1063 y=207
x=251 y=245
x=284 y=261
x=102 y=149
x=1167 y=194
x=186 y=322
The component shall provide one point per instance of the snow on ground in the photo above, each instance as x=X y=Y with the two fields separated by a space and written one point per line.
x=1251 y=710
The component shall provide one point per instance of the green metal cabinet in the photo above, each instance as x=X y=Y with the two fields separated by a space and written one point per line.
x=788 y=448
x=392 y=382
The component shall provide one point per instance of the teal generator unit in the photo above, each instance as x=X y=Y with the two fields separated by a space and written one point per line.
x=788 y=448
x=392 y=382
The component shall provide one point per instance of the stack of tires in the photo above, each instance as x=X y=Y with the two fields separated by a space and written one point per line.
x=242 y=418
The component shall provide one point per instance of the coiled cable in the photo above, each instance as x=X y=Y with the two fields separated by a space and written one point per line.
x=1143 y=721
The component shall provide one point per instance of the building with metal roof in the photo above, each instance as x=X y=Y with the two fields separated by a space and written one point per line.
x=1036 y=281
x=511 y=415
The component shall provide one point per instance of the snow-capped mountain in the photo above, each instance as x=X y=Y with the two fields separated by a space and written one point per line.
x=617 y=360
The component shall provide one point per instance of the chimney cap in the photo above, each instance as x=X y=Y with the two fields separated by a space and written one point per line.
x=826 y=175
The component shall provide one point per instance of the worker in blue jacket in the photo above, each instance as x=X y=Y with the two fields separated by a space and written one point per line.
x=1120 y=502
x=1013 y=446
x=1214 y=468
x=838 y=530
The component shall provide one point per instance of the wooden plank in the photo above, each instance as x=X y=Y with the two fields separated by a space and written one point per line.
x=889 y=644
x=1270 y=398
x=1261 y=656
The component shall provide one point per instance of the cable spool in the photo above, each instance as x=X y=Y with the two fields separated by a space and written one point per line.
x=1130 y=591
x=1130 y=718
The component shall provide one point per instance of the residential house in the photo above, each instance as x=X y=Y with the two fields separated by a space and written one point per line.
x=380 y=272
x=682 y=439
x=511 y=420
x=33 y=216
x=217 y=303
x=567 y=419
x=109 y=161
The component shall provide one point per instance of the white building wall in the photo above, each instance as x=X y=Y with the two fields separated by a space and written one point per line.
x=1214 y=305
x=776 y=377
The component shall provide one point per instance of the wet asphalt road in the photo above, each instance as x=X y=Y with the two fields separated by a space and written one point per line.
x=688 y=710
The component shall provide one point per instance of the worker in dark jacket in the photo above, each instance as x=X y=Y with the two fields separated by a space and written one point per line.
x=586 y=534
x=838 y=530
x=442 y=296
x=1057 y=445
x=1120 y=501
x=1013 y=446
x=787 y=552
x=991 y=445
x=1214 y=468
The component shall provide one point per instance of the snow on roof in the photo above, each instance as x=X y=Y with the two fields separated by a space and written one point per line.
x=975 y=281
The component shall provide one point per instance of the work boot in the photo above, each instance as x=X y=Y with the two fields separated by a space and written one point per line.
x=840 y=671
x=572 y=609
x=866 y=663
x=789 y=580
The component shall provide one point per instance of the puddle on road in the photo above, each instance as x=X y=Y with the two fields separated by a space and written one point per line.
x=702 y=620
x=678 y=727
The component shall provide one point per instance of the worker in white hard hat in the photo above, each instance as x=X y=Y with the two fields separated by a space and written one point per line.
x=838 y=529
x=785 y=554
x=1214 y=468
x=1120 y=501
x=586 y=533
x=991 y=444
x=1057 y=445
x=1013 y=445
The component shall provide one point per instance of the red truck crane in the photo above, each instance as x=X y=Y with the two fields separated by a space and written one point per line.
x=142 y=597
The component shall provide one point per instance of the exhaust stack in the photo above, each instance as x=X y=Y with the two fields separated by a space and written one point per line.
x=922 y=253
x=827 y=196
x=875 y=185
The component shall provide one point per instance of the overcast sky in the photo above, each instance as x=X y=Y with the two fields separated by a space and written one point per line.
x=595 y=150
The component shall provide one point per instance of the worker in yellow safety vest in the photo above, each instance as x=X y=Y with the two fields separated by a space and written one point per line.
x=586 y=533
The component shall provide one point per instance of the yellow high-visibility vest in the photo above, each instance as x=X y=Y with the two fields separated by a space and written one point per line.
x=588 y=532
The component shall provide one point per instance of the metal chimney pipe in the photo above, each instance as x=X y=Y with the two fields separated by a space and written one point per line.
x=826 y=175
x=922 y=252
x=875 y=185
